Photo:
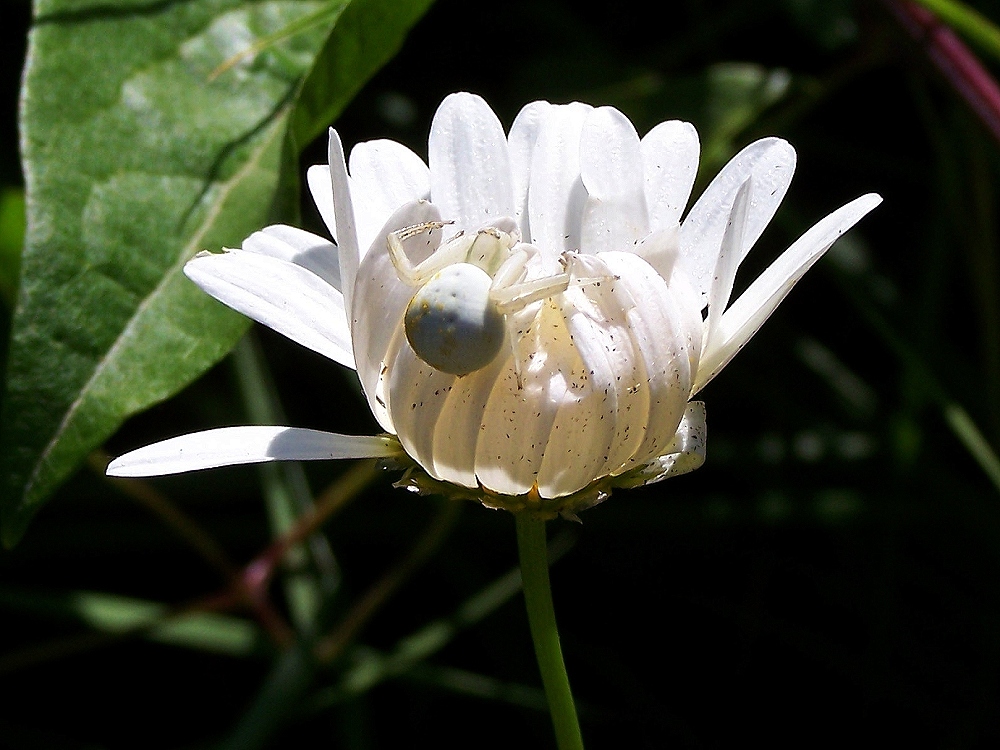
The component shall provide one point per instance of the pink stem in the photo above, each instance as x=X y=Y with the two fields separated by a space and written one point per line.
x=955 y=61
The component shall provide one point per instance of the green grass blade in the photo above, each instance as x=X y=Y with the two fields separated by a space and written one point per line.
x=123 y=615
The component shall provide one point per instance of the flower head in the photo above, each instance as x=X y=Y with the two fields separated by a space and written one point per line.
x=527 y=313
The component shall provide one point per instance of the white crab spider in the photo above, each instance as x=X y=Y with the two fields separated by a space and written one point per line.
x=468 y=289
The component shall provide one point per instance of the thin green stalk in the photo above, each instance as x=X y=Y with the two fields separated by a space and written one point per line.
x=957 y=418
x=333 y=645
x=542 y=620
x=311 y=575
x=369 y=667
x=967 y=21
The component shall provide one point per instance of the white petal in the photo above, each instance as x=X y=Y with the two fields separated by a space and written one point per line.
x=384 y=176
x=445 y=422
x=556 y=193
x=687 y=450
x=659 y=249
x=685 y=453
x=611 y=330
x=728 y=262
x=283 y=296
x=691 y=432
x=518 y=417
x=663 y=333
x=594 y=431
x=741 y=321
x=521 y=144
x=321 y=188
x=381 y=299
x=771 y=163
x=347 y=237
x=669 y=165
x=689 y=305
x=462 y=414
x=300 y=247
x=229 y=446
x=469 y=162
x=516 y=428
x=415 y=396
x=614 y=216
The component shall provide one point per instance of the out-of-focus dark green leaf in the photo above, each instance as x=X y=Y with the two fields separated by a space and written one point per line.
x=11 y=241
x=110 y=613
x=734 y=96
x=154 y=158
x=830 y=23
x=367 y=35
x=722 y=102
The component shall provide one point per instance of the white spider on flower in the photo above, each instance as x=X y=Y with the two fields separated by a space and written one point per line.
x=525 y=312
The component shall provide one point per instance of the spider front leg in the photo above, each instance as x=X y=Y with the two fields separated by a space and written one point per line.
x=511 y=295
x=445 y=255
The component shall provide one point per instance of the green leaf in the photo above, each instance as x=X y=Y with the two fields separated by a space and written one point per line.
x=123 y=615
x=11 y=241
x=485 y=687
x=367 y=35
x=133 y=162
x=830 y=23
x=735 y=96
x=136 y=157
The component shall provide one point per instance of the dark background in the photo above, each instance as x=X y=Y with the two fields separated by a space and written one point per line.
x=827 y=578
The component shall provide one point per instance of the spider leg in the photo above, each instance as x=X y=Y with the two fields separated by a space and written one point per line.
x=453 y=251
x=515 y=297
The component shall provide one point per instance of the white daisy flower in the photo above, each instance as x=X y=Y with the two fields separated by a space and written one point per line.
x=528 y=315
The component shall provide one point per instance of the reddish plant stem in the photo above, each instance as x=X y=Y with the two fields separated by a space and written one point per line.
x=259 y=572
x=241 y=587
x=957 y=63
x=163 y=508
x=247 y=586
x=255 y=578
x=332 y=646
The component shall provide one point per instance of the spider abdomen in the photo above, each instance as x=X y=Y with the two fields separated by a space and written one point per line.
x=452 y=323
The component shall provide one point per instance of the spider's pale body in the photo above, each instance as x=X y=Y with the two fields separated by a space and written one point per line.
x=467 y=291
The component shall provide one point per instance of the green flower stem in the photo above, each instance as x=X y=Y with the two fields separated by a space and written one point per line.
x=545 y=634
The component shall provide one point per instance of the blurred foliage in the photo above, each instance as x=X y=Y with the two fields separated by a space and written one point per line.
x=967 y=21
x=177 y=143
x=11 y=240
x=829 y=574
